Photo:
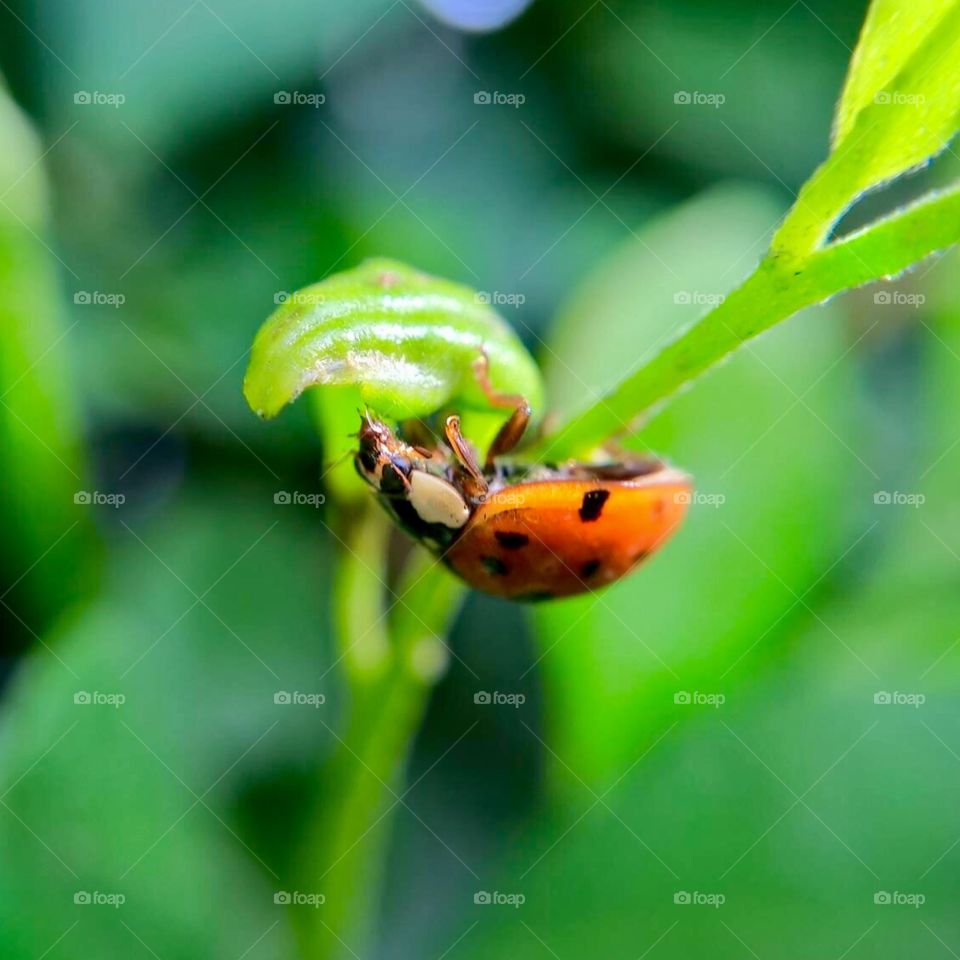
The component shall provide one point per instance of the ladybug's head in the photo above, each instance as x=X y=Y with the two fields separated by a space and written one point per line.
x=382 y=459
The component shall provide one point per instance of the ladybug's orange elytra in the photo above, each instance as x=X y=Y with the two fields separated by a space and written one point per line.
x=555 y=538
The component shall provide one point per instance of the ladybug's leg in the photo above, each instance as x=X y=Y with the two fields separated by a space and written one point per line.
x=509 y=435
x=471 y=476
x=512 y=431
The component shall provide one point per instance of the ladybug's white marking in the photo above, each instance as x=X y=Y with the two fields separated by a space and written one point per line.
x=437 y=501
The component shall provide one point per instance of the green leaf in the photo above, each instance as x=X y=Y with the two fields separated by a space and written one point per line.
x=408 y=340
x=898 y=129
x=892 y=32
x=198 y=633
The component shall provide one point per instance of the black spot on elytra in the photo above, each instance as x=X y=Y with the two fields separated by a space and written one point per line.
x=511 y=541
x=592 y=506
x=495 y=566
x=368 y=460
x=589 y=569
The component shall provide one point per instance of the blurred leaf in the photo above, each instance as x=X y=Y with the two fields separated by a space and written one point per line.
x=637 y=58
x=409 y=341
x=186 y=67
x=46 y=535
x=797 y=798
x=892 y=33
x=198 y=632
x=744 y=556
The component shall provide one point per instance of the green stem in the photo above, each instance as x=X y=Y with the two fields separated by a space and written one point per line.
x=776 y=290
x=391 y=663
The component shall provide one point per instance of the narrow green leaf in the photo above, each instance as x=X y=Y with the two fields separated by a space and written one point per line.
x=891 y=34
x=897 y=130
x=408 y=340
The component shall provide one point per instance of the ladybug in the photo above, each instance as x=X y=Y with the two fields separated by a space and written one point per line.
x=527 y=532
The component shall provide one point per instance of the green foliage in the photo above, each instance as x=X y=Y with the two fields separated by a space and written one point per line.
x=613 y=661
x=799 y=795
x=407 y=340
x=891 y=36
x=771 y=598
x=881 y=133
x=40 y=446
x=197 y=633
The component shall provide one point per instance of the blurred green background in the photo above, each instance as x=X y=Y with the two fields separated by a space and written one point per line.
x=763 y=722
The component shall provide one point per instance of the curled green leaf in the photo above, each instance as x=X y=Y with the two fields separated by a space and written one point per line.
x=407 y=340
